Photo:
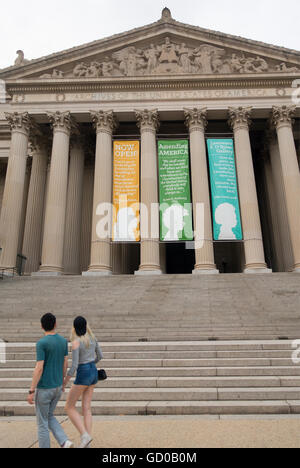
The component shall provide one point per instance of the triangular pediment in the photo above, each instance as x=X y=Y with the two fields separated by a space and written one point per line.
x=164 y=48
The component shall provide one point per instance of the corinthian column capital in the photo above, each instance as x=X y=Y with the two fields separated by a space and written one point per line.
x=104 y=121
x=62 y=121
x=19 y=122
x=283 y=116
x=147 y=119
x=239 y=117
x=196 y=119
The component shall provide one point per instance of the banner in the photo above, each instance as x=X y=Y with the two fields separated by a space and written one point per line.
x=126 y=191
x=224 y=191
x=175 y=191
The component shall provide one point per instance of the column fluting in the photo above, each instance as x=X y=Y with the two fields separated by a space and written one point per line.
x=240 y=119
x=72 y=241
x=196 y=121
x=282 y=117
x=101 y=258
x=12 y=203
x=54 y=225
x=147 y=121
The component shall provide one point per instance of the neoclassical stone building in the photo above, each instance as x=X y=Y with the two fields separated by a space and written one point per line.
x=166 y=80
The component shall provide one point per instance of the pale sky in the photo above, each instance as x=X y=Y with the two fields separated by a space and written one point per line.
x=42 y=27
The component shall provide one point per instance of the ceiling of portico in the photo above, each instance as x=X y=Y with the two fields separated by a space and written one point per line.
x=166 y=48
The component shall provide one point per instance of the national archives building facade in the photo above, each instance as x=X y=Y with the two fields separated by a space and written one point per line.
x=167 y=113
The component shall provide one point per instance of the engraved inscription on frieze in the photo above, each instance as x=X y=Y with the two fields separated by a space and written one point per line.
x=143 y=96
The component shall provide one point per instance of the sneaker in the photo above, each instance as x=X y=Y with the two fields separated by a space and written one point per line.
x=68 y=444
x=86 y=439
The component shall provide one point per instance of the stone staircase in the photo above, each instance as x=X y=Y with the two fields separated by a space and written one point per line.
x=172 y=345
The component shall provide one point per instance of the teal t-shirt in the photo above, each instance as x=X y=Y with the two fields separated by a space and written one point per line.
x=52 y=349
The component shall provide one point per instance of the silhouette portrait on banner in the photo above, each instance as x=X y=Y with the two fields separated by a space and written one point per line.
x=225 y=215
x=173 y=219
x=126 y=226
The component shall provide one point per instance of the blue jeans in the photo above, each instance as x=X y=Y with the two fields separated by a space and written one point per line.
x=45 y=404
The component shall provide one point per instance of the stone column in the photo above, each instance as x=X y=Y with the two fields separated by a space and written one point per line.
x=54 y=226
x=74 y=209
x=283 y=121
x=239 y=119
x=24 y=206
x=101 y=258
x=11 y=212
x=87 y=214
x=35 y=205
x=273 y=209
x=147 y=121
x=280 y=204
x=3 y=167
x=204 y=249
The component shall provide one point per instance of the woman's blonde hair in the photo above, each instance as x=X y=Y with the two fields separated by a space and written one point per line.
x=85 y=339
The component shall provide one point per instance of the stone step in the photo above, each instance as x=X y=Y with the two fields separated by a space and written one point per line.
x=110 y=408
x=174 y=346
x=173 y=382
x=181 y=372
x=159 y=327
x=219 y=362
x=173 y=355
x=116 y=331
x=151 y=338
x=174 y=394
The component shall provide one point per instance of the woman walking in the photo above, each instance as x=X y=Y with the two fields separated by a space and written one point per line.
x=86 y=353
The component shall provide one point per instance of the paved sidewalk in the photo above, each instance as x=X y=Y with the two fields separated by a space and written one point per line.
x=168 y=432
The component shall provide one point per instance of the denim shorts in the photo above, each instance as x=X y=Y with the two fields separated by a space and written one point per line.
x=87 y=374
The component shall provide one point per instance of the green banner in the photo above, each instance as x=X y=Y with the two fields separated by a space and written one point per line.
x=175 y=191
x=224 y=191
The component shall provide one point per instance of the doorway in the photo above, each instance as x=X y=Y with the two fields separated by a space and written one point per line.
x=179 y=260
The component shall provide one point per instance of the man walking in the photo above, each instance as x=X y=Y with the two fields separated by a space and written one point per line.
x=47 y=381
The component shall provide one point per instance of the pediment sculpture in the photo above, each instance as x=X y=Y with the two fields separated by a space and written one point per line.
x=171 y=58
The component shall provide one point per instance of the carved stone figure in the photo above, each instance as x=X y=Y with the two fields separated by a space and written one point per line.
x=185 y=58
x=203 y=58
x=81 y=70
x=260 y=65
x=20 y=60
x=54 y=74
x=152 y=56
x=131 y=61
x=172 y=58
x=94 y=70
x=107 y=67
x=168 y=52
x=249 y=66
x=284 y=68
x=218 y=64
x=236 y=64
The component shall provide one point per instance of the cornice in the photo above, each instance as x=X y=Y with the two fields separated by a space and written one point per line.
x=153 y=83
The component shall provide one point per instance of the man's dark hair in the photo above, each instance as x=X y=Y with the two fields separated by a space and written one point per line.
x=48 y=322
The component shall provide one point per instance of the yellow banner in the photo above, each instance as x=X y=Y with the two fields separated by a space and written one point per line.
x=126 y=191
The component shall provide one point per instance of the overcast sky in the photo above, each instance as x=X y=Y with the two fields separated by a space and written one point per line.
x=42 y=27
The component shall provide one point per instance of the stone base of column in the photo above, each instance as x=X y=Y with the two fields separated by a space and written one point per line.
x=199 y=271
x=8 y=271
x=47 y=273
x=257 y=270
x=97 y=273
x=148 y=273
